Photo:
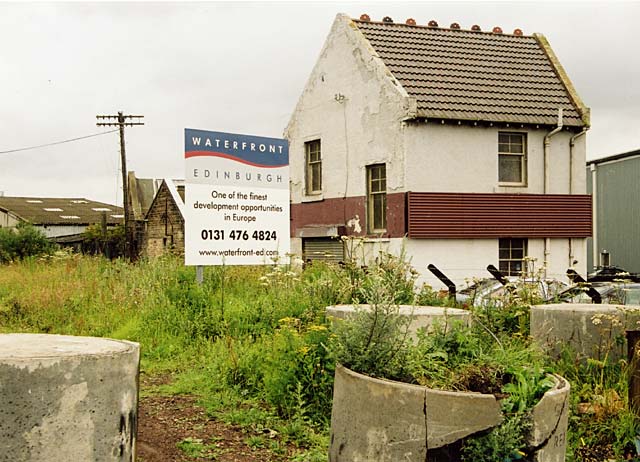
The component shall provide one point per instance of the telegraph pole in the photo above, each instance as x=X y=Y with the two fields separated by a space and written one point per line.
x=120 y=121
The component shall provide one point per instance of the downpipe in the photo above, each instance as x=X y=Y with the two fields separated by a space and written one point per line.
x=572 y=144
x=545 y=186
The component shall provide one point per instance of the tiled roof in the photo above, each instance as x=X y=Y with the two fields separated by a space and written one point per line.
x=60 y=211
x=479 y=76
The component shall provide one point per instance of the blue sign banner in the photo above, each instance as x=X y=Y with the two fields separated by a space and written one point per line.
x=256 y=151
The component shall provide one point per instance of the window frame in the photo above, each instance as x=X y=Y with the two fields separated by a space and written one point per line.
x=507 y=244
x=523 y=155
x=313 y=167
x=376 y=198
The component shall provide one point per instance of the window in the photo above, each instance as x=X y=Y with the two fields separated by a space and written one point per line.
x=313 y=162
x=512 y=158
x=376 y=198
x=511 y=256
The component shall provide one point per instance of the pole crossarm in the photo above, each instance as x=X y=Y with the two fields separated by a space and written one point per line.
x=120 y=120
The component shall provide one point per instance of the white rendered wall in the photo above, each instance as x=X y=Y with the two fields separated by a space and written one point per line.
x=464 y=259
x=459 y=158
x=355 y=107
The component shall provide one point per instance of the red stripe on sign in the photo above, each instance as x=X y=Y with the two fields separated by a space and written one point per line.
x=227 y=156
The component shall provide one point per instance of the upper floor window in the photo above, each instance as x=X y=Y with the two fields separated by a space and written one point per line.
x=511 y=253
x=377 y=198
x=313 y=167
x=512 y=158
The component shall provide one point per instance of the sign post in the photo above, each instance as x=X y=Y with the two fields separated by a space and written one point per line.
x=236 y=199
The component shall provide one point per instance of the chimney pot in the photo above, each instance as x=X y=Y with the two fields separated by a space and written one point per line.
x=365 y=17
x=476 y=28
x=497 y=30
x=517 y=32
x=411 y=22
x=454 y=25
x=387 y=19
x=433 y=23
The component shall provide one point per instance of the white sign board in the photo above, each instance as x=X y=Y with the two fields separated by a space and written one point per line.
x=236 y=199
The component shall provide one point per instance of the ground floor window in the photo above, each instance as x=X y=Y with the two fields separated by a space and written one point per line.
x=511 y=255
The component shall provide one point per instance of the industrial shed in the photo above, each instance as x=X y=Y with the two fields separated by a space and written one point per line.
x=60 y=219
x=613 y=183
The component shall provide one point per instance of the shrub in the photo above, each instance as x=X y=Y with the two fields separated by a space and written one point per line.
x=109 y=243
x=373 y=340
x=23 y=241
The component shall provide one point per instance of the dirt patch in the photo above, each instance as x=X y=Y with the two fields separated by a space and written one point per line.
x=167 y=422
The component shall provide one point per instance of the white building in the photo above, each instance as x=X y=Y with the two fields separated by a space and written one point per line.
x=465 y=148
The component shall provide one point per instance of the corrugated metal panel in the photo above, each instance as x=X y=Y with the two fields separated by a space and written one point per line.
x=618 y=221
x=454 y=215
x=325 y=249
x=338 y=211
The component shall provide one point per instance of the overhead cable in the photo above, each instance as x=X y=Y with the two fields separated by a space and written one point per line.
x=58 y=142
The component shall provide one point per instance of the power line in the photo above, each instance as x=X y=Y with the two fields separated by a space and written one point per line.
x=57 y=142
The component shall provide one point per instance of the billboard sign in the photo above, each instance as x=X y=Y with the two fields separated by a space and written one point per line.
x=236 y=198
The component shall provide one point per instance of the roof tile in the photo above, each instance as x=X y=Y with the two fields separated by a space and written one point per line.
x=467 y=75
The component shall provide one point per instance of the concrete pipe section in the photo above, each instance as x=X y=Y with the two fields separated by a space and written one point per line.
x=589 y=330
x=65 y=398
x=375 y=420
x=422 y=317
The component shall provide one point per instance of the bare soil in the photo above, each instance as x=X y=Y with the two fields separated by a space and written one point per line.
x=166 y=421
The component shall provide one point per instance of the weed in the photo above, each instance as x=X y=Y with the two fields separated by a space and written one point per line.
x=196 y=448
x=254 y=344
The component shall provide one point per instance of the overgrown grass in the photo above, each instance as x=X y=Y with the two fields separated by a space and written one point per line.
x=251 y=341
x=254 y=343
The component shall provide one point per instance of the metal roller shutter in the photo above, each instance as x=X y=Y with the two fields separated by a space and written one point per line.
x=323 y=248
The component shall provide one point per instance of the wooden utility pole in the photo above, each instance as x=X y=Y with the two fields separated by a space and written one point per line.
x=120 y=121
x=633 y=358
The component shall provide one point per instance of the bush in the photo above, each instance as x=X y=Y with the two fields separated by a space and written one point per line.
x=23 y=241
x=109 y=243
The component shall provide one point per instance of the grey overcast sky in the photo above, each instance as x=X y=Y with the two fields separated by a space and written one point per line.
x=240 y=67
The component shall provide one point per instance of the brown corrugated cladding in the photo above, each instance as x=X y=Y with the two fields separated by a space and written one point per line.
x=337 y=211
x=457 y=215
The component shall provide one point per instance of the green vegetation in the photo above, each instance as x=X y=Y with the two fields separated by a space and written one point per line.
x=254 y=344
x=108 y=242
x=195 y=447
x=23 y=241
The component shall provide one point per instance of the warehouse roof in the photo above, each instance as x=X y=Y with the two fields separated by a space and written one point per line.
x=474 y=75
x=58 y=211
x=615 y=157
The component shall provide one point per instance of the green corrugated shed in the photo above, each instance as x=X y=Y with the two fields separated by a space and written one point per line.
x=614 y=182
